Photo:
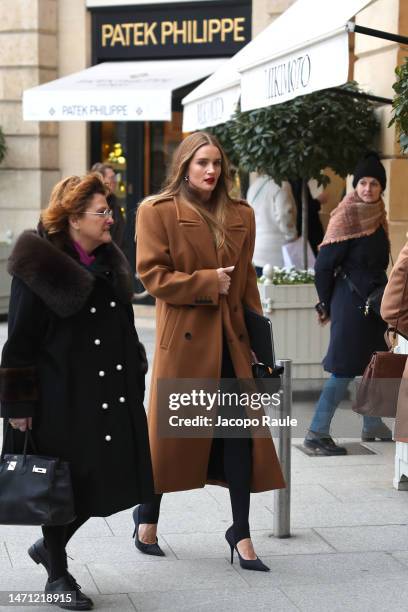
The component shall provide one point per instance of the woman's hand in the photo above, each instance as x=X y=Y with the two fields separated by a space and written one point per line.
x=322 y=319
x=22 y=424
x=224 y=280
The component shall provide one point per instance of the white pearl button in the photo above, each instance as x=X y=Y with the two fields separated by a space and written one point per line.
x=93 y=309
x=122 y=399
x=105 y=406
x=112 y=304
x=101 y=373
x=119 y=366
x=108 y=438
x=97 y=341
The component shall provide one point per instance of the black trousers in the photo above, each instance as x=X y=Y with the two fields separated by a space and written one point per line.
x=55 y=540
x=236 y=456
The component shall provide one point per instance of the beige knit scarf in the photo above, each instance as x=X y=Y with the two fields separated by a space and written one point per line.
x=353 y=218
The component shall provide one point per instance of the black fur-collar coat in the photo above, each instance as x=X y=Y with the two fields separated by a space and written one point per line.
x=73 y=361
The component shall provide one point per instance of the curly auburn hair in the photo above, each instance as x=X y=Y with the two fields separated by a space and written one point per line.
x=71 y=197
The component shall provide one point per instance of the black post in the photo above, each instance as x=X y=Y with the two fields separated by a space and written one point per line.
x=305 y=222
x=352 y=27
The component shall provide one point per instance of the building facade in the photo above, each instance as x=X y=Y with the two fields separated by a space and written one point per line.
x=41 y=40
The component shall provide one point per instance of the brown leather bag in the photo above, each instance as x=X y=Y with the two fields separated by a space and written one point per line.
x=377 y=394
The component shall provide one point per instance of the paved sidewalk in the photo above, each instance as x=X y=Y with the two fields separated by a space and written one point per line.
x=348 y=551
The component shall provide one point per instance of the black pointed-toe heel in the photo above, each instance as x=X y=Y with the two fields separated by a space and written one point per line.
x=147 y=549
x=250 y=564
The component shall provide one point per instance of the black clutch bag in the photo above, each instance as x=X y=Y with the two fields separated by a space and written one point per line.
x=34 y=490
x=268 y=375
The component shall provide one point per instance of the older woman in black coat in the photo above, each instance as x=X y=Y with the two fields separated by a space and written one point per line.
x=351 y=264
x=73 y=368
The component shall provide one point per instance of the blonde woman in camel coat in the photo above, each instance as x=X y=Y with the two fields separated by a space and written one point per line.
x=194 y=254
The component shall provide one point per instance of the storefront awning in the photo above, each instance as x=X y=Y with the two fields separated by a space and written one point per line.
x=115 y=91
x=304 y=50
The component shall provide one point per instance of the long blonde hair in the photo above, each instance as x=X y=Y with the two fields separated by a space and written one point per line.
x=176 y=185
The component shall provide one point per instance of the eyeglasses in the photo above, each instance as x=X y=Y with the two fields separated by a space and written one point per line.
x=106 y=213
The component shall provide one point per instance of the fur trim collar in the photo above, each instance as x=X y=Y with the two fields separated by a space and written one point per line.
x=59 y=279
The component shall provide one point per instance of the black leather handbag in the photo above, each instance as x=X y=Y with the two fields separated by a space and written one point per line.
x=34 y=490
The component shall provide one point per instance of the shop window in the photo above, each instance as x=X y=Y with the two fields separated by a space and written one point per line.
x=113 y=152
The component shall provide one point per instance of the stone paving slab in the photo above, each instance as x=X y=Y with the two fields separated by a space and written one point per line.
x=85 y=550
x=350 y=514
x=102 y=602
x=5 y=561
x=183 y=575
x=366 y=492
x=182 y=521
x=227 y=600
x=300 y=495
x=33 y=578
x=208 y=545
x=389 y=538
x=355 y=596
x=313 y=474
x=340 y=568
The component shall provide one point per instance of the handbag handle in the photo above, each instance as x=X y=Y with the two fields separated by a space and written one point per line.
x=27 y=438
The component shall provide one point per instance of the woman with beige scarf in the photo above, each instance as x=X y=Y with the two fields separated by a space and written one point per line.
x=351 y=264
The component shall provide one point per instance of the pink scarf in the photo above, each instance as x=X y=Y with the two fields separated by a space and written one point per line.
x=353 y=218
x=84 y=258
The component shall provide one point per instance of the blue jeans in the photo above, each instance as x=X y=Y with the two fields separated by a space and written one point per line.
x=334 y=391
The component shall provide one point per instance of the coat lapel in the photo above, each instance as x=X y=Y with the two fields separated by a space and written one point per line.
x=236 y=232
x=198 y=234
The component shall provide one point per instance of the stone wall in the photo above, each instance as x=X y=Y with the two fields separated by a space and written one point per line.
x=28 y=57
x=376 y=60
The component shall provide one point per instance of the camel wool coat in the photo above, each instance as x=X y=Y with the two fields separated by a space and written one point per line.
x=177 y=262
x=394 y=310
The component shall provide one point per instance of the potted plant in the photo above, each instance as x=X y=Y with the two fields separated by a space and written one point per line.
x=298 y=139
x=288 y=298
x=400 y=105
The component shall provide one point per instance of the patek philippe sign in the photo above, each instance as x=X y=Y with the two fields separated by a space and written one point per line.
x=319 y=66
x=166 y=31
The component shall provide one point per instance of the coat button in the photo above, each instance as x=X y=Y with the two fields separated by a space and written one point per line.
x=119 y=366
x=241 y=337
x=112 y=304
x=122 y=399
x=93 y=309
x=108 y=438
x=188 y=336
x=105 y=406
x=101 y=373
x=97 y=341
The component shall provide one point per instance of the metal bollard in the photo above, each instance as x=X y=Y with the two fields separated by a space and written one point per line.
x=281 y=516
